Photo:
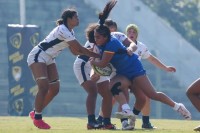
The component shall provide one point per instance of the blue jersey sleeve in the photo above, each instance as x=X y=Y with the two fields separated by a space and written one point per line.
x=114 y=46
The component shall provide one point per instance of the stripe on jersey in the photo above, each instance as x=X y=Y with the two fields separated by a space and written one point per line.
x=45 y=45
x=84 y=57
x=36 y=55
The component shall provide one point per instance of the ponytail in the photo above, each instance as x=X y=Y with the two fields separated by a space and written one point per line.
x=106 y=11
x=59 y=22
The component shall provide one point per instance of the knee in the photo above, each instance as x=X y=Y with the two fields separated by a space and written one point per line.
x=156 y=96
x=43 y=85
x=54 y=87
x=188 y=93
x=115 y=90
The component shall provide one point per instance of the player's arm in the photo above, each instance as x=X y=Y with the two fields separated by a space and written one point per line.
x=107 y=56
x=127 y=42
x=155 y=61
x=76 y=48
x=131 y=46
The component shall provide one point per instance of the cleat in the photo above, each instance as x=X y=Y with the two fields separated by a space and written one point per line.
x=148 y=126
x=124 y=114
x=126 y=126
x=109 y=127
x=184 y=112
x=41 y=124
x=93 y=125
x=197 y=128
x=32 y=114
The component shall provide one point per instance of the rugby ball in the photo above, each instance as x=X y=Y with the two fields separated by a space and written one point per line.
x=106 y=71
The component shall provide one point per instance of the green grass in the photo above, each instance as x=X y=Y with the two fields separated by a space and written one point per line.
x=78 y=125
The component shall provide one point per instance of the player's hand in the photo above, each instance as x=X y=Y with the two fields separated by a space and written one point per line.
x=129 y=51
x=170 y=69
x=94 y=76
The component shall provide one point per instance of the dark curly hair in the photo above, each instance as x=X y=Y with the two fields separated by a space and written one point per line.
x=67 y=13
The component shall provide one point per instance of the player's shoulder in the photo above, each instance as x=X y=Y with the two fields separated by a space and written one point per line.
x=113 y=39
x=118 y=34
x=64 y=30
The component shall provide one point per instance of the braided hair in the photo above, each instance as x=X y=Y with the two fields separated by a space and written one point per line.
x=102 y=29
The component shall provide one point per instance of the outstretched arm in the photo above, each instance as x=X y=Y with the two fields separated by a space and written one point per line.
x=155 y=61
x=76 y=49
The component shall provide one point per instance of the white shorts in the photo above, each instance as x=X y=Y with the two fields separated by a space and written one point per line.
x=38 y=55
x=113 y=72
x=82 y=71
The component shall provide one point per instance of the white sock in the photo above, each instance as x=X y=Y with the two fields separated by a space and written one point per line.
x=38 y=113
x=176 y=106
x=126 y=107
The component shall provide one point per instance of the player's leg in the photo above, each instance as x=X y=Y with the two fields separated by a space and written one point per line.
x=91 y=89
x=106 y=106
x=126 y=83
x=140 y=100
x=54 y=83
x=145 y=115
x=122 y=84
x=116 y=86
x=100 y=117
x=39 y=71
x=146 y=86
x=54 y=86
x=82 y=73
x=193 y=93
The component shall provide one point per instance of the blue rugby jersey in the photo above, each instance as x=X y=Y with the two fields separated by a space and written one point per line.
x=124 y=64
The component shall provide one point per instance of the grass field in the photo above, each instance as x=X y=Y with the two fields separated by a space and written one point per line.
x=78 y=125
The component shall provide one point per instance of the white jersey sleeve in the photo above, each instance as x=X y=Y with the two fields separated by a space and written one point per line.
x=65 y=34
x=142 y=51
x=119 y=35
x=92 y=46
x=57 y=40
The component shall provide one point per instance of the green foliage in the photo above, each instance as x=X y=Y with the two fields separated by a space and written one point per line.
x=183 y=15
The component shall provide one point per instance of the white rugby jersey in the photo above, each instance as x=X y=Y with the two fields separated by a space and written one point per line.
x=119 y=35
x=142 y=51
x=57 y=40
x=95 y=49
